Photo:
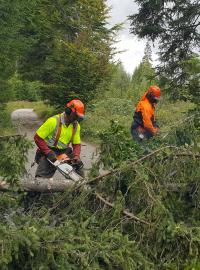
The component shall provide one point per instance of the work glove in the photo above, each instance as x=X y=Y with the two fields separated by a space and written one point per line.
x=51 y=156
x=141 y=136
x=77 y=164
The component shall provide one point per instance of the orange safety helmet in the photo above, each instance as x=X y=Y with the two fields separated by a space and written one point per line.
x=75 y=105
x=155 y=90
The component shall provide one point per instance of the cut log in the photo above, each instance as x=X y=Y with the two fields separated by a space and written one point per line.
x=43 y=185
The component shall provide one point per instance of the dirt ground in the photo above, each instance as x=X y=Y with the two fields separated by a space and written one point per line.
x=27 y=122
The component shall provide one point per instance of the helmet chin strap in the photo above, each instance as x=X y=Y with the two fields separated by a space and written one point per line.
x=156 y=101
x=152 y=98
x=70 y=118
x=66 y=118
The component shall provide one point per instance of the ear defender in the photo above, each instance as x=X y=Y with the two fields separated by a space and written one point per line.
x=68 y=110
x=152 y=98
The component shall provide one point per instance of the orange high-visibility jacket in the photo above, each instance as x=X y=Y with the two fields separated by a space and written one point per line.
x=144 y=116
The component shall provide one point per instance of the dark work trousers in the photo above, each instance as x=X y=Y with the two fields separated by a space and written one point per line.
x=135 y=133
x=45 y=169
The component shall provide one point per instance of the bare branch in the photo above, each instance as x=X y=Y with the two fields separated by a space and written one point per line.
x=11 y=136
x=98 y=178
x=125 y=212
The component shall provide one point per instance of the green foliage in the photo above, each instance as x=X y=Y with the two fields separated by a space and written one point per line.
x=71 y=48
x=5 y=121
x=12 y=42
x=25 y=90
x=192 y=72
x=117 y=146
x=57 y=43
x=72 y=239
x=163 y=189
x=66 y=45
x=77 y=231
x=102 y=111
x=43 y=110
x=13 y=157
x=70 y=79
x=119 y=83
x=142 y=78
x=174 y=25
x=9 y=39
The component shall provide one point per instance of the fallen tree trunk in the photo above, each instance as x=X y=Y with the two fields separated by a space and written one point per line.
x=47 y=185
x=44 y=185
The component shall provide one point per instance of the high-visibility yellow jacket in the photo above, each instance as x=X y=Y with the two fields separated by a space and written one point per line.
x=49 y=130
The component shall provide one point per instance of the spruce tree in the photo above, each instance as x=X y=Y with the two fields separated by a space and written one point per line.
x=174 y=26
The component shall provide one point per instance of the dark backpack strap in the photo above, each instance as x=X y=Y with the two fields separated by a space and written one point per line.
x=58 y=132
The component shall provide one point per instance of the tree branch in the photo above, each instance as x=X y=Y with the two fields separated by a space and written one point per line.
x=98 y=178
x=11 y=136
x=125 y=212
x=188 y=154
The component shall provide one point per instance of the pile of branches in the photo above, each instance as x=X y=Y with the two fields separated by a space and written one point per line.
x=142 y=214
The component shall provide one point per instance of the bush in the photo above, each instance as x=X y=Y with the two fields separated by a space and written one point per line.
x=5 y=121
x=25 y=90
x=13 y=152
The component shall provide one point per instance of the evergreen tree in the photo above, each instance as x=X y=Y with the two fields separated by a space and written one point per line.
x=147 y=53
x=142 y=78
x=72 y=49
x=175 y=27
x=120 y=82
x=12 y=43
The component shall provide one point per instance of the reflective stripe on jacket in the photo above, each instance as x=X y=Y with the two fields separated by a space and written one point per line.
x=144 y=117
x=49 y=129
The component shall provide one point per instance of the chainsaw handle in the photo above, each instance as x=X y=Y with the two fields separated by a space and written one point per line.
x=56 y=163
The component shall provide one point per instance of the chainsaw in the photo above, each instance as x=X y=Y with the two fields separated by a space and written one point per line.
x=65 y=168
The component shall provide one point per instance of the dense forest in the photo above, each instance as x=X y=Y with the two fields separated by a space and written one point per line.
x=144 y=213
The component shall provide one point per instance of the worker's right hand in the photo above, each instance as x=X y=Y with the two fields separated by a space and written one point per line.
x=52 y=156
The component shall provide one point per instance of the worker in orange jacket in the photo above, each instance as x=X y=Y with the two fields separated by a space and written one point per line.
x=144 y=123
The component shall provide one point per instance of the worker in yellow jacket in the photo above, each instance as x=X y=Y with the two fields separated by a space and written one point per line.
x=54 y=137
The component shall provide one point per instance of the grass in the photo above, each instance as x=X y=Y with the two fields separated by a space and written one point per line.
x=169 y=114
x=99 y=115
x=6 y=126
x=43 y=110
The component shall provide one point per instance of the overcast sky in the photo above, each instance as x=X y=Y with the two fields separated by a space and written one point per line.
x=134 y=49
